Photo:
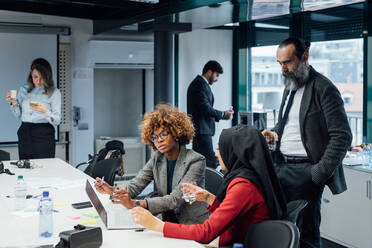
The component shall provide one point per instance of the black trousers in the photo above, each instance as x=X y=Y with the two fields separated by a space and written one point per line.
x=297 y=185
x=36 y=140
x=203 y=145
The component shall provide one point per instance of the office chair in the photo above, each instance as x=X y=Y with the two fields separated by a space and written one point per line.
x=107 y=168
x=294 y=209
x=272 y=234
x=4 y=155
x=213 y=180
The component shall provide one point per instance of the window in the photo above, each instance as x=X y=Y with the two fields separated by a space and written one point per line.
x=347 y=100
x=266 y=96
x=342 y=62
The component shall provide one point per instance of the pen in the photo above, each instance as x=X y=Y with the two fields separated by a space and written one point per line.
x=103 y=178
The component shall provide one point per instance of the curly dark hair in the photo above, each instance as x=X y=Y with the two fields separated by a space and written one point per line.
x=178 y=124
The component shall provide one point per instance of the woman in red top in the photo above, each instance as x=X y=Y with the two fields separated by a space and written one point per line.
x=250 y=192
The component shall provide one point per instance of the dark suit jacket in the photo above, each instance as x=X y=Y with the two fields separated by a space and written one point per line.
x=325 y=130
x=200 y=102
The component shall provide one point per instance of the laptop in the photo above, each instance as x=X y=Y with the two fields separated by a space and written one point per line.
x=115 y=218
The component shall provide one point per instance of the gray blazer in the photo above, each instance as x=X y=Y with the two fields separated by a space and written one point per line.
x=189 y=168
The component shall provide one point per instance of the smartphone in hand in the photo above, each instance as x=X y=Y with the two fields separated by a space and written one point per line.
x=33 y=104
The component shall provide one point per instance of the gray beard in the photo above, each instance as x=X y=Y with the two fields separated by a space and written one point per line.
x=296 y=79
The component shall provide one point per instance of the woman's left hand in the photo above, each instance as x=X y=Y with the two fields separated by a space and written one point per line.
x=145 y=218
x=121 y=196
x=39 y=108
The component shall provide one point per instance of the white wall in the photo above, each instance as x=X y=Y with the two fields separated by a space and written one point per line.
x=82 y=141
x=195 y=49
x=117 y=102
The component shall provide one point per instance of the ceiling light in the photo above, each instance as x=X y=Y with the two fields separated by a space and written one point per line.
x=145 y=1
x=234 y=24
x=266 y=25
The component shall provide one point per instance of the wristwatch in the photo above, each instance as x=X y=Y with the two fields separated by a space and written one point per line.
x=138 y=204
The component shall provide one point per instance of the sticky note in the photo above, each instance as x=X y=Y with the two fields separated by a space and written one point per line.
x=89 y=222
x=59 y=204
x=93 y=215
x=73 y=217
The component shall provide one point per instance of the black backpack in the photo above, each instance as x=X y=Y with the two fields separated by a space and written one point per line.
x=108 y=162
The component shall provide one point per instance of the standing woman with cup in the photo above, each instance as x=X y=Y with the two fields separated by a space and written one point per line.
x=38 y=105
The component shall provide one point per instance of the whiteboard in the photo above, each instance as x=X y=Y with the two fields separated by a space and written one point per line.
x=17 y=53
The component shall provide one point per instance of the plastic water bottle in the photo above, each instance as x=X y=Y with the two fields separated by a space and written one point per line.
x=366 y=154
x=20 y=192
x=45 y=216
x=370 y=153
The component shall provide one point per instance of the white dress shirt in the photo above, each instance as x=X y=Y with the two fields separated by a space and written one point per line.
x=291 y=143
x=22 y=109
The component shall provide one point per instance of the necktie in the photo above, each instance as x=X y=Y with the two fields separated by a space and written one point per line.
x=284 y=119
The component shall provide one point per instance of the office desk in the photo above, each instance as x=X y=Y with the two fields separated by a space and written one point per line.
x=68 y=187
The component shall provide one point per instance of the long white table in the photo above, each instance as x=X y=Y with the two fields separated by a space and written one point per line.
x=20 y=229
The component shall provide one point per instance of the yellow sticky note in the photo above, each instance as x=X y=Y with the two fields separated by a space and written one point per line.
x=59 y=204
x=89 y=222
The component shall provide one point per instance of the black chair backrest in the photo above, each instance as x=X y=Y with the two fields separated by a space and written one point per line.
x=107 y=168
x=4 y=155
x=272 y=234
x=294 y=209
x=213 y=180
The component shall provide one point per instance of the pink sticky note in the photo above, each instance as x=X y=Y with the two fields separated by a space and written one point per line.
x=73 y=217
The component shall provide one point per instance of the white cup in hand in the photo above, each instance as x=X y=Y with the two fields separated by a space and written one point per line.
x=13 y=94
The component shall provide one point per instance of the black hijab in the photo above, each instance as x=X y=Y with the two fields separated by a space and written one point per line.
x=245 y=153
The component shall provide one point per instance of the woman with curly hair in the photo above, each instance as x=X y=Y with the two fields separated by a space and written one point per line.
x=167 y=131
x=250 y=192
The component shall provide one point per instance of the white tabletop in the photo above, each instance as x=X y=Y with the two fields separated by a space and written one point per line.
x=20 y=229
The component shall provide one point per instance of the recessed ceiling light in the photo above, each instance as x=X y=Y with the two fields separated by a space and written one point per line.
x=145 y=1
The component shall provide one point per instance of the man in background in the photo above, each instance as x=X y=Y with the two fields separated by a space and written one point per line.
x=200 y=102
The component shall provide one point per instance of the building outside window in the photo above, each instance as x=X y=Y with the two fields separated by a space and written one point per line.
x=341 y=61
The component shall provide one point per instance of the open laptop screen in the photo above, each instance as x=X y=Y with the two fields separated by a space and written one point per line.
x=96 y=202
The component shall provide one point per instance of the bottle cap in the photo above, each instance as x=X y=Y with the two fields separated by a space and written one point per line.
x=20 y=177
x=238 y=245
x=45 y=193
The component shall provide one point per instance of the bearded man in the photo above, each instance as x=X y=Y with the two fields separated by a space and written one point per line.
x=312 y=136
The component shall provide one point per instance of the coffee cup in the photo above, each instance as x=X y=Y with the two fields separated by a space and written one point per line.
x=13 y=94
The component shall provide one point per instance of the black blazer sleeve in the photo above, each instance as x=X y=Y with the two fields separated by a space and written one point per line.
x=338 y=136
x=201 y=96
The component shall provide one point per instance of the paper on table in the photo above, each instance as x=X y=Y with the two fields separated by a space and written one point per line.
x=53 y=182
x=24 y=214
